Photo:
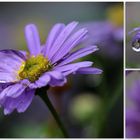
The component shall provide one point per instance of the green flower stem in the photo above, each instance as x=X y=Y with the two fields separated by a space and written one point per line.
x=42 y=92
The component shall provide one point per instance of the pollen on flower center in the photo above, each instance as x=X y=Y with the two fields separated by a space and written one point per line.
x=34 y=67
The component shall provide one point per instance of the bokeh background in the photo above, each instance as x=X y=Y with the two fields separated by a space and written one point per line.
x=132 y=21
x=89 y=105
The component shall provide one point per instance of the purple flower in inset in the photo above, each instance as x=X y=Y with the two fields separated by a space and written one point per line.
x=21 y=73
x=132 y=123
x=133 y=111
x=135 y=41
x=106 y=36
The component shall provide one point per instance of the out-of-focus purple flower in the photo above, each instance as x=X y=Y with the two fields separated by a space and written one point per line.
x=108 y=37
x=108 y=34
x=135 y=41
x=21 y=73
x=132 y=123
x=133 y=111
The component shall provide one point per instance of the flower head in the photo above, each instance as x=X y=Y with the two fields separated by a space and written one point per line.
x=21 y=73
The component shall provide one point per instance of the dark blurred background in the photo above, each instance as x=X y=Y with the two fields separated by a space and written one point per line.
x=89 y=105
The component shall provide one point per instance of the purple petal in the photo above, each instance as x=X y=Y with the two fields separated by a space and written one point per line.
x=57 y=82
x=3 y=86
x=70 y=68
x=25 y=82
x=57 y=78
x=54 y=33
x=20 y=103
x=12 y=91
x=7 y=77
x=134 y=30
x=11 y=58
x=10 y=63
x=26 y=100
x=41 y=82
x=53 y=78
x=6 y=56
x=72 y=42
x=18 y=55
x=78 y=54
x=33 y=40
x=24 y=53
x=56 y=75
x=62 y=38
x=9 y=106
x=90 y=70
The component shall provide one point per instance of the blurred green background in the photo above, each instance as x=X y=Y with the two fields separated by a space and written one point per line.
x=89 y=105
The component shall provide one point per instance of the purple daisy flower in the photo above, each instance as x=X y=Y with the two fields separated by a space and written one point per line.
x=21 y=73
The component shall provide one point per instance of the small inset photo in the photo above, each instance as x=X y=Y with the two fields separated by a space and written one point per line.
x=132 y=111
x=132 y=35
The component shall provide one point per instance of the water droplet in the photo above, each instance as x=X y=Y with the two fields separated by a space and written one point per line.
x=136 y=45
x=136 y=49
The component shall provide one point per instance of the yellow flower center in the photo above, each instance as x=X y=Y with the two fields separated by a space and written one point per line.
x=34 y=67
